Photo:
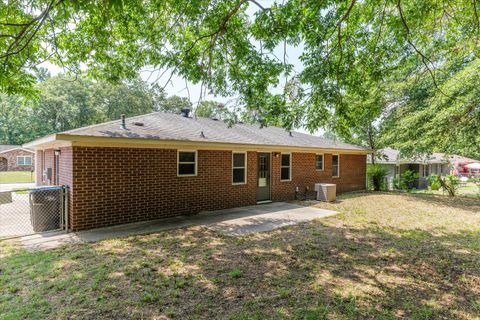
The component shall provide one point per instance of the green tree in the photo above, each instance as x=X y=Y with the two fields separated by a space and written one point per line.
x=132 y=98
x=213 y=109
x=64 y=103
x=420 y=121
x=173 y=104
x=15 y=123
x=356 y=55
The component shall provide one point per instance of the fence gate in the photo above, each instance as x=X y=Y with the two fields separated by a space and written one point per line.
x=28 y=211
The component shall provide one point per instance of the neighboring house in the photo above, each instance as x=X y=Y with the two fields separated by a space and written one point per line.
x=162 y=164
x=459 y=166
x=16 y=158
x=436 y=163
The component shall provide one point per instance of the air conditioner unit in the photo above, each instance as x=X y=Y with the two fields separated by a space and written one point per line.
x=326 y=191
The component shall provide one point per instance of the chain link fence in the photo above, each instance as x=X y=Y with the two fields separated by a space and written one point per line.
x=28 y=211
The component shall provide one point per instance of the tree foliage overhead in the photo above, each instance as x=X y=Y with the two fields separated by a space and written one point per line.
x=65 y=103
x=363 y=60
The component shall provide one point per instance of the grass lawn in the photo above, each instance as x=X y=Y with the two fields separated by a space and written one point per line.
x=469 y=189
x=385 y=256
x=16 y=176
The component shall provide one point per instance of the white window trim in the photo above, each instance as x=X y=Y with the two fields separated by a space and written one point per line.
x=24 y=164
x=244 y=167
x=178 y=163
x=290 y=167
x=337 y=176
x=323 y=161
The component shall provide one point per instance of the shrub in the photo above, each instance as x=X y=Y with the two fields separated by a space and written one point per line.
x=433 y=182
x=376 y=176
x=449 y=183
x=407 y=179
x=397 y=183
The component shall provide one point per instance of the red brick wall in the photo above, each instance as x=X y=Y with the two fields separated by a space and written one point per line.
x=304 y=174
x=12 y=164
x=120 y=185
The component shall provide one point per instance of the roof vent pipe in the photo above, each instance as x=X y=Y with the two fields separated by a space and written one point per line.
x=124 y=126
x=185 y=112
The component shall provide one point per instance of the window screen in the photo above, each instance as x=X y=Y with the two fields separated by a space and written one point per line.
x=285 y=170
x=187 y=163
x=319 y=161
x=335 y=165
x=239 y=168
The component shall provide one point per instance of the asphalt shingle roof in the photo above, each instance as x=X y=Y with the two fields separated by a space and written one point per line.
x=390 y=155
x=5 y=147
x=170 y=126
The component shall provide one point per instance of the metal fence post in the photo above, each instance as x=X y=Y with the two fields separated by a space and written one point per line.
x=65 y=204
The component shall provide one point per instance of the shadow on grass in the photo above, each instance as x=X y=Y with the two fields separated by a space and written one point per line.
x=463 y=203
x=306 y=271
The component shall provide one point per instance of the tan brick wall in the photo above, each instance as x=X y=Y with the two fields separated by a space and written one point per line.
x=3 y=164
x=11 y=163
x=39 y=167
x=46 y=160
x=120 y=185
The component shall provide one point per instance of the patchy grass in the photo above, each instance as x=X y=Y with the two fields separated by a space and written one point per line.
x=16 y=177
x=469 y=190
x=235 y=273
x=385 y=256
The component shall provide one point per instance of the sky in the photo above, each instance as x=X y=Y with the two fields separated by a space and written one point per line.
x=178 y=86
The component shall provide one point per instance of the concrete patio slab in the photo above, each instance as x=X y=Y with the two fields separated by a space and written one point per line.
x=259 y=218
x=231 y=222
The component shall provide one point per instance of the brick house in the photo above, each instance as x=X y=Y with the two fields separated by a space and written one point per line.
x=161 y=165
x=16 y=158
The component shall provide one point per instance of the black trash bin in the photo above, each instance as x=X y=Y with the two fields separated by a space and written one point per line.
x=46 y=208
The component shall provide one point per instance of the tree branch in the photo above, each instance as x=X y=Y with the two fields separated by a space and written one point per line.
x=425 y=60
x=36 y=23
x=347 y=13
x=259 y=5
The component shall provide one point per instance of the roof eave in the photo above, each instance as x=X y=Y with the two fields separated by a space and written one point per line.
x=81 y=140
x=19 y=148
x=41 y=141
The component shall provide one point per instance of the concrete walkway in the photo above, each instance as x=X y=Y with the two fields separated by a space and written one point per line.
x=231 y=222
x=13 y=186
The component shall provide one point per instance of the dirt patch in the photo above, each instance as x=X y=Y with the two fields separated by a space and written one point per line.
x=384 y=256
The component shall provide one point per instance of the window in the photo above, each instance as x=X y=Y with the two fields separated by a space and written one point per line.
x=239 y=168
x=285 y=167
x=319 y=162
x=24 y=160
x=187 y=163
x=335 y=165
